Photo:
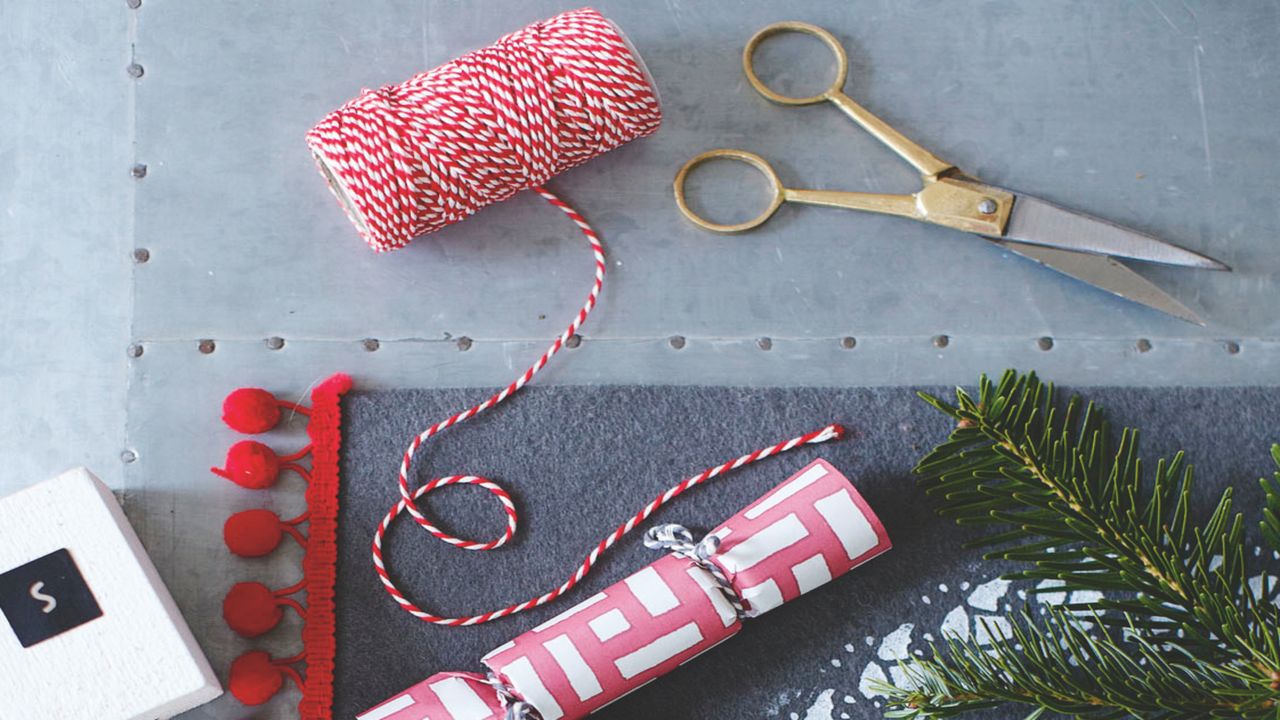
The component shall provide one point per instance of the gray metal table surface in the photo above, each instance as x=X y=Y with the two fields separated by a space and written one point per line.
x=162 y=219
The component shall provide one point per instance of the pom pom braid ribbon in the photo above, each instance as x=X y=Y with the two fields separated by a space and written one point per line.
x=408 y=496
x=409 y=159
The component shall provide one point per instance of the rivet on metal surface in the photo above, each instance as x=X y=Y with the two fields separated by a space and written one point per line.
x=848 y=342
x=987 y=206
x=206 y=346
x=765 y=343
x=134 y=350
x=1045 y=343
x=138 y=171
x=1233 y=347
x=464 y=343
x=275 y=343
x=128 y=456
x=371 y=344
x=141 y=255
x=133 y=4
x=135 y=70
x=574 y=341
x=676 y=341
x=941 y=341
x=1143 y=345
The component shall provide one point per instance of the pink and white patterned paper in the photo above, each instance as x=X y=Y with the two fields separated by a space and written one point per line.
x=626 y=636
x=804 y=533
x=443 y=696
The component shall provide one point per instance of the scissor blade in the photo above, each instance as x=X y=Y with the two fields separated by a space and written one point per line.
x=1035 y=221
x=1106 y=273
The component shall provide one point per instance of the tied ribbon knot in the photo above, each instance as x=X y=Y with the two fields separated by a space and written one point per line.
x=678 y=540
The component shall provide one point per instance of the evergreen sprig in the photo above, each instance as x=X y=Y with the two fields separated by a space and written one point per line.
x=1180 y=633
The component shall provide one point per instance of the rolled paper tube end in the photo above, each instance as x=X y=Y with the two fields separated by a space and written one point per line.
x=804 y=533
x=443 y=696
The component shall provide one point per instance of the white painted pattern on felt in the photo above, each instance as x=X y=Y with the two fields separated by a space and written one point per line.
x=652 y=591
x=709 y=586
x=848 y=523
x=528 y=684
x=810 y=476
x=581 y=678
x=773 y=539
x=387 y=709
x=609 y=625
x=762 y=598
x=659 y=651
x=811 y=573
x=598 y=597
x=460 y=699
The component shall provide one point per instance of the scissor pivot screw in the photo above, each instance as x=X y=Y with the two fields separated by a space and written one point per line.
x=987 y=206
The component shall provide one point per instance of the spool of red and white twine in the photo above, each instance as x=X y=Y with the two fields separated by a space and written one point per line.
x=409 y=159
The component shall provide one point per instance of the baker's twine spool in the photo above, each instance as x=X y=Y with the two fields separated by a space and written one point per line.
x=409 y=159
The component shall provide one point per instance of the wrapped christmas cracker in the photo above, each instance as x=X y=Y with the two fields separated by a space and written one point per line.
x=804 y=533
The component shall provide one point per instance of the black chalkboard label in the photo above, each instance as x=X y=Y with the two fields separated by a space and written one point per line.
x=46 y=597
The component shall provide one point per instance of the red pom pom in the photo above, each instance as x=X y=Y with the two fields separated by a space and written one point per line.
x=253 y=533
x=251 y=609
x=254 y=679
x=251 y=464
x=251 y=410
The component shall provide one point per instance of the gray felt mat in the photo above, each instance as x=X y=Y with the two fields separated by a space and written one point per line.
x=579 y=460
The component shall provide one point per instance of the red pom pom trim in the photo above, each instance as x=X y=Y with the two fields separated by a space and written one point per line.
x=257 y=532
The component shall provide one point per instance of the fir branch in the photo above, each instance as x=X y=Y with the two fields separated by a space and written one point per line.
x=1057 y=666
x=1062 y=498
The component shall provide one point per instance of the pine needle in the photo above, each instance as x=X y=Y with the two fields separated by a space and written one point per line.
x=1181 y=635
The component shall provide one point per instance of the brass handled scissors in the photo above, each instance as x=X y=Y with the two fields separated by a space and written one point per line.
x=1078 y=245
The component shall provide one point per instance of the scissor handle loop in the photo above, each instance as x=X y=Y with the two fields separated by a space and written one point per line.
x=789 y=26
x=759 y=163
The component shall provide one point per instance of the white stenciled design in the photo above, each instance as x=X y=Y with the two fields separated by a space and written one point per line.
x=988 y=629
x=525 y=680
x=988 y=595
x=598 y=597
x=896 y=645
x=811 y=573
x=764 y=544
x=658 y=651
x=762 y=598
x=581 y=678
x=810 y=476
x=848 y=523
x=652 y=592
x=459 y=700
x=956 y=624
x=871 y=674
x=387 y=709
x=609 y=625
x=709 y=586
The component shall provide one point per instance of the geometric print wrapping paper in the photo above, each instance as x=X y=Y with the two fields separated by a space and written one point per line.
x=807 y=531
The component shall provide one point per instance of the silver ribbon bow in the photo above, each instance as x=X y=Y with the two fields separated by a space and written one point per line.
x=677 y=540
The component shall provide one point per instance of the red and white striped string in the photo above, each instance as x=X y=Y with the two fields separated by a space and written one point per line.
x=408 y=495
x=409 y=159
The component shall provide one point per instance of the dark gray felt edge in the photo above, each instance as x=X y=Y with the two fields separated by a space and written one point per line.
x=578 y=460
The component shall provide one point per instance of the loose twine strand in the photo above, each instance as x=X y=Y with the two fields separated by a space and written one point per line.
x=408 y=496
x=409 y=159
